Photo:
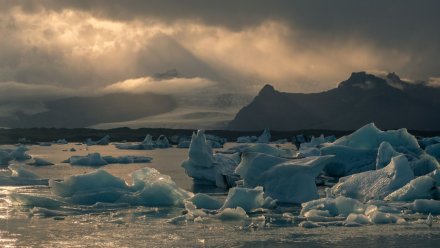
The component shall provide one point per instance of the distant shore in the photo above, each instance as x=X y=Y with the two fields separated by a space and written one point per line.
x=34 y=135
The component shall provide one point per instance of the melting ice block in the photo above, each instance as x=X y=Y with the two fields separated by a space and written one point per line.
x=146 y=144
x=427 y=206
x=291 y=181
x=376 y=184
x=205 y=201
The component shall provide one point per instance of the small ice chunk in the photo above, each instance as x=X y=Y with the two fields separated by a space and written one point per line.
x=308 y=224
x=247 y=199
x=358 y=218
x=232 y=214
x=205 y=201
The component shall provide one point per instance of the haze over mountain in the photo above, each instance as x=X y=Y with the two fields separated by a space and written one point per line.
x=388 y=101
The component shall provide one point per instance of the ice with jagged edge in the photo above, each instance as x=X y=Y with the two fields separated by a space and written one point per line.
x=208 y=168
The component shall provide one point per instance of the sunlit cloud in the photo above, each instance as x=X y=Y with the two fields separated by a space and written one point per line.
x=174 y=86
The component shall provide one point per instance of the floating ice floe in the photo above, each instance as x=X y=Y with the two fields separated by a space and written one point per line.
x=95 y=159
x=376 y=184
x=205 y=201
x=208 y=168
x=102 y=142
x=291 y=181
x=146 y=144
x=149 y=188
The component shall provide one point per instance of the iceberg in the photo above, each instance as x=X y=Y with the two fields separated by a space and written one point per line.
x=370 y=137
x=264 y=137
x=247 y=199
x=95 y=159
x=427 y=141
x=424 y=165
x=426 y=206
x=290 y=181
x=205 y=201
x=384 y=155
x=149 y=188
x=208 y=168
x=348 y=160
x=376 y=184
x=102 y=142
x=19 y=176
x=247 y=139
x=18 y=154
x=434 y=150
x=334 y=206
x=419 y=188
x=146 y=144
x=162 y=142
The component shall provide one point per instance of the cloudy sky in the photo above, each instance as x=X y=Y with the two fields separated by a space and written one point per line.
x=51 y=49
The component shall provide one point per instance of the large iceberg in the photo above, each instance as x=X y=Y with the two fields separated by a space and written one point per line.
x=286 y=180
x=149 y=188
x=376 y=184
x=208 y=168
x=368 y=148
x=370 y=137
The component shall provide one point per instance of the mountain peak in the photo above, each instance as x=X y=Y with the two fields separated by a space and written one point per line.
x=267 y=89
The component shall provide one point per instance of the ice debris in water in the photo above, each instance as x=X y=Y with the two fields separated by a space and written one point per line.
x=149 y=188
x=376 y=184
x=208 y=168
x=95 y=159
x=290 y=181
x=232 y=214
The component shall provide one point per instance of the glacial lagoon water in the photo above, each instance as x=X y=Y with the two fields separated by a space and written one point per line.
x=122 y=226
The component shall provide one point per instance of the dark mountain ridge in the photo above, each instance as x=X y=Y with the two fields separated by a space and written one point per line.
x=363 y=98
